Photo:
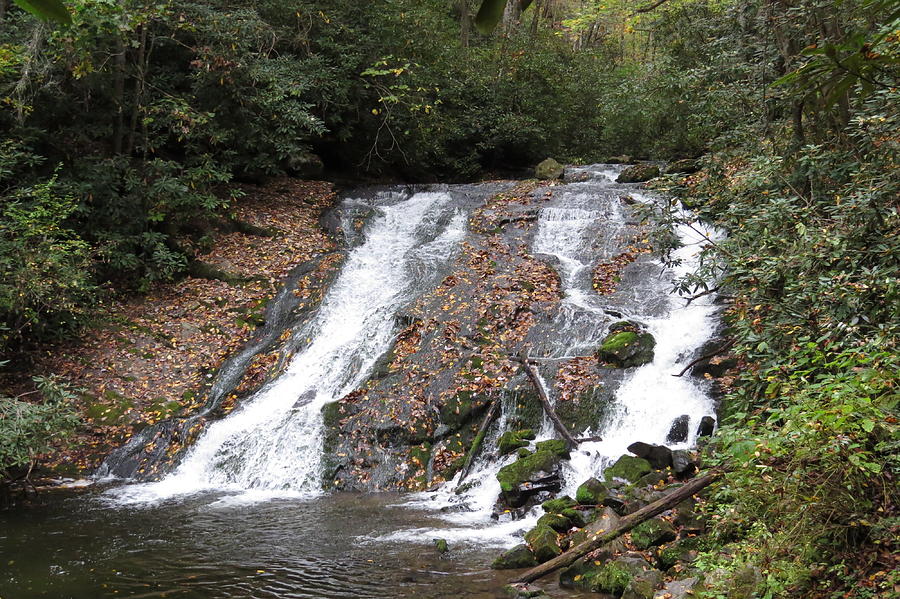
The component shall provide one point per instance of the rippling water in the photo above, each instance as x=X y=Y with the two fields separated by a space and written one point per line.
x=215 y=546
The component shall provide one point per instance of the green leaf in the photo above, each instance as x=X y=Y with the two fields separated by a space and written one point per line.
x=489 y=15
x=47 y=10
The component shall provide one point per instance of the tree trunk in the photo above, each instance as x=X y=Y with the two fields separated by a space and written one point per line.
x=465 y=23
x=119 y=97
x=545 y=400
x=625 y=524
x=479 y=438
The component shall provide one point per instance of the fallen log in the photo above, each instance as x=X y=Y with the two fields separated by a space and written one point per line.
x=545 y=401
x=479 y=438
x=711 y=354
x=624 y=525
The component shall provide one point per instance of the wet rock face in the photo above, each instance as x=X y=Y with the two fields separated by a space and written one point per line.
x=678 y=432
x=638 y=173
x=519 y=556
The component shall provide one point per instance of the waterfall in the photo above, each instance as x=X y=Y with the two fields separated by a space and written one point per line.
x=583 y=224
x=273 y=442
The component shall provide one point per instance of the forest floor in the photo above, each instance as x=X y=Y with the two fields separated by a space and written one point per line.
x=149 y=356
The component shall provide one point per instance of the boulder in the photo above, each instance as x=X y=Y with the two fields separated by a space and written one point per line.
x=510 y=441
x=533 y=474
x=615 y=576
x=679 y=589
x=519 y=556
x=685 y=166
x=651 y=533
x=463 y=407
x=681 y=551
x=557 y=522
x=548 y=169
x=684 y=463
x=523 y=591
x=543 y=542
x=558 y=505
x=658 y=456
x=644 y=585
x=627 y=346
x=305 y=165
x=638 y=173
x=591 y=492
x=707 y=426
x=678 y=432
x=628 y=468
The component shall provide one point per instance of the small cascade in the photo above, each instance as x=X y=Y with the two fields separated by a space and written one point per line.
x=273 y=442
x=583 y=224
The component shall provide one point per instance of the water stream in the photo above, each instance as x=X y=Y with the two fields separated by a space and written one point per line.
x=243 y=514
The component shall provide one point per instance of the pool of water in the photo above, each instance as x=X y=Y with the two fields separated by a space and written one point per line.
x=88 y=546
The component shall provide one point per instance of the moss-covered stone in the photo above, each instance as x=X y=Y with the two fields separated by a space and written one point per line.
x=510 y=441
x=558 y=505
x=627 y=348
x=548 y=169
x=462 y=408
x=517 y=479
x=578 y=518
x=643 y=585
x=685 y=166
x=441 y=545
x=519 y=556
x=544 y=543
x=681 y=551
x=628 y=468
x=587 y=410
x=579 y=574
x=591 y=492
x=651 y=533
x=557 y=522
x=638 y=173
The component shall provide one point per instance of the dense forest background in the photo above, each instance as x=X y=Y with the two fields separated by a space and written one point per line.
x=121 y=133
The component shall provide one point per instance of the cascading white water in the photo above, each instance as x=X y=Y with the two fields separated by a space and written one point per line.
x=273 y=442
x=582 y=225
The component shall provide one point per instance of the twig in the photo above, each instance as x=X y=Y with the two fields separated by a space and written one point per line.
x=725 y=347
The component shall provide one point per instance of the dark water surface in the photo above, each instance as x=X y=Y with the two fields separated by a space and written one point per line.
x=212 y=546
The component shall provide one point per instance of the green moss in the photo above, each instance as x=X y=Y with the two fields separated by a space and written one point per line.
x=557 y=522
x=586 y=411
x=519 y=556
x=544 y=542
x=558 y=505
x=628 y=468
x=591 y=492
x=627 y=348
x=651 y=533
x=510 y=441
x=462 y=408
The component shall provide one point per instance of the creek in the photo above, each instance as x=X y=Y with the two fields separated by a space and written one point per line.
x=244 y=515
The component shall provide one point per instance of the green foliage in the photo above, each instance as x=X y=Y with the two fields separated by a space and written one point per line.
x=29 y=428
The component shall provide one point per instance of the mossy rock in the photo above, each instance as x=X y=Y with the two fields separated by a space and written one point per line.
x=524 y=408
x=519 y=556
x=627 y=348
x=611 y=577
x=462 y=408
x=591 y=492
x=628 y=468
x=578 y=518
x=557 y=522
x=544 y=542
x=545 y=458
x=558 y=505
x=684 y=166
x=644 y=585
x=682 y=551
x=441 y=545
x=638 y=173
x=510 y=441
x=549 y=169
x=651 y=533
x=588 y=410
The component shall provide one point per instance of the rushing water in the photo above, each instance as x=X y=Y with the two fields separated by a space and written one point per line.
x=243 y=515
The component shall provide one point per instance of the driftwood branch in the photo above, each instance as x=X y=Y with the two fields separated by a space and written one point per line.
x=545 y=401
x=624 y=525
x=699 y=295
x=711 y=354
x=479 y=438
